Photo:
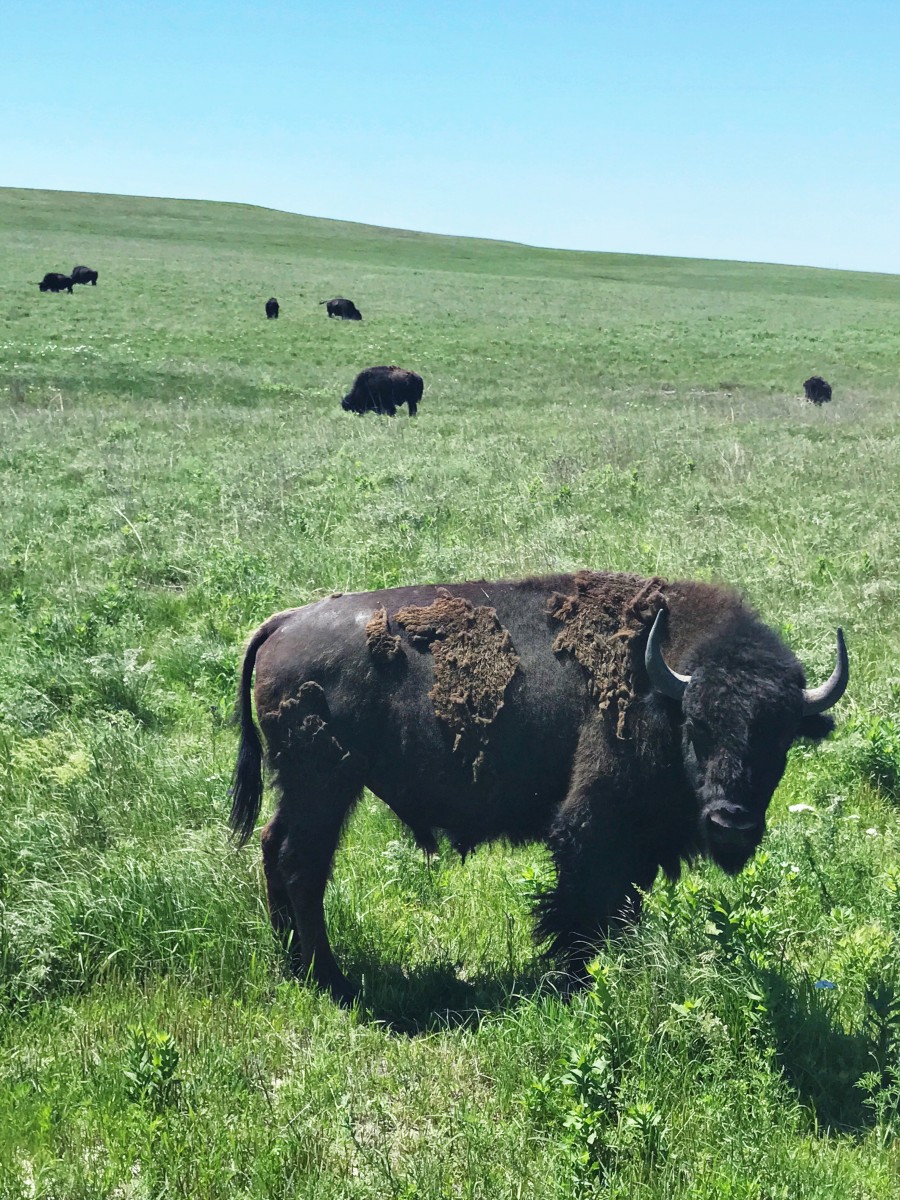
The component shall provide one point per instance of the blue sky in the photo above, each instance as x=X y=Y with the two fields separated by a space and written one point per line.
x=765 y=131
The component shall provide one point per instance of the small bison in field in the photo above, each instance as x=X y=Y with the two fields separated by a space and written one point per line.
x=85 y=275
x=631 y=724
x=55 y=281
x=272 y=309
x=817 y=389
x=383 y=390
x=340 y=307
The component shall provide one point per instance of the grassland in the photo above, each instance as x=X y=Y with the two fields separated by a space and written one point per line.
x=173 y=468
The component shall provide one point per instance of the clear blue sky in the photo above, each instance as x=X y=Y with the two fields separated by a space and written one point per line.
x=762 y=131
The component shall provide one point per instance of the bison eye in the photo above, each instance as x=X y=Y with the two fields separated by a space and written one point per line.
x=699 y=735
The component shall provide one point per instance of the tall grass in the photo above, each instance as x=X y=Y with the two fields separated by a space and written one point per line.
x=174 y=467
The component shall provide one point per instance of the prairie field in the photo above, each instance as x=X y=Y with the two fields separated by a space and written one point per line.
x=174 y=468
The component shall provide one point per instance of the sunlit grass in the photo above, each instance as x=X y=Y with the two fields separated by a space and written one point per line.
x=174 y=468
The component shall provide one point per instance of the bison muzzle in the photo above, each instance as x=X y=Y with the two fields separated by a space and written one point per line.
x=631 y=724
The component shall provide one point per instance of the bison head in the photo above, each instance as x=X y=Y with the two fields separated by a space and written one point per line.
x=742 y=706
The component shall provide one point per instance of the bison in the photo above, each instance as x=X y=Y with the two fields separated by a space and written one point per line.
x=55 y=281
x=817 y=389
x=383 y=390
x=85 y=275
x=345 y=309
x=272 y=309
x=631 y=724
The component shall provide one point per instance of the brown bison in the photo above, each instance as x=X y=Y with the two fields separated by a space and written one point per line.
x=272 y=309
x=55 y=281
x=631 y=724
x=817 y=389
x=340 y=307
x=85 y=275
x=383 y=390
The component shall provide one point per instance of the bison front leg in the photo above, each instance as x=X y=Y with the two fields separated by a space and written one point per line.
x=602 y=867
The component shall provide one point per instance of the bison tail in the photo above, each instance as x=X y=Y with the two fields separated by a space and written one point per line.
x=247 y=782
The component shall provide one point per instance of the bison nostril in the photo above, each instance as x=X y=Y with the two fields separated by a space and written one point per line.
x=722 y=821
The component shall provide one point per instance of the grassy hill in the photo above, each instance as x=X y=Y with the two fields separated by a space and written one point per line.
x=174 y=467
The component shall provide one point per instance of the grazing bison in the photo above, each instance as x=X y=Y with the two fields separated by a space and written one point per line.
x=55 y=281
x=84 y=275
x=383 y=390
x=631 y=724
x=817 y=389
x=272 y=309
x=345 y=309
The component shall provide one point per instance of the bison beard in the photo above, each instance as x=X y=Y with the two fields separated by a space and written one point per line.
x=532 y=709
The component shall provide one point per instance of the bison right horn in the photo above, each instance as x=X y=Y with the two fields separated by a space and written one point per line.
x=817 y=700
x=663 y=678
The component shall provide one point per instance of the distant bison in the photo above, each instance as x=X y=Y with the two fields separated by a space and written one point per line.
x=345 y=309
x=383 y=390
x=272 y=309
x=84 y=275
x=817 y=389
x=55 y=281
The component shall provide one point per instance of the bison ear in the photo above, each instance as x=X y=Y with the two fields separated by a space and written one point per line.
x=816 y=727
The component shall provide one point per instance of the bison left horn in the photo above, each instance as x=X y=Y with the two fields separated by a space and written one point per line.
x=663 y=678
x=817 y=700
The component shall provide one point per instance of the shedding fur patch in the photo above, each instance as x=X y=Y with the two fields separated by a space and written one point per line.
x=474 y=662
x=603 y=624
x=307 y=727
x=383 y=645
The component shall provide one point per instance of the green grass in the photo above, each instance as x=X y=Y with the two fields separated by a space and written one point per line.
x=174 y=467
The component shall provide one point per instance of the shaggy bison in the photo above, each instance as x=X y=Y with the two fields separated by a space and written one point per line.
x=383 y=390
x=55 y=281
x=817 y=389
x=345 y=309
x=272 y=309
x=84 y=275
x=632 y=724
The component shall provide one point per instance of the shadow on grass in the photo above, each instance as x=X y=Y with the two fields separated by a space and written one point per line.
x=821 y=1061
x=434 y=997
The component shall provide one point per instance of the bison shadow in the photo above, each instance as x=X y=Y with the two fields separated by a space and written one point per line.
x=820 y=1060
x=434 y=997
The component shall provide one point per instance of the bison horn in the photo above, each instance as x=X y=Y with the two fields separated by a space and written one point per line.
x=663 y=678
x=817 y=700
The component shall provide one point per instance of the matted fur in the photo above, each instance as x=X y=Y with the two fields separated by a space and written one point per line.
x=383 y=645
x=602 y=627
x=474 y=663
